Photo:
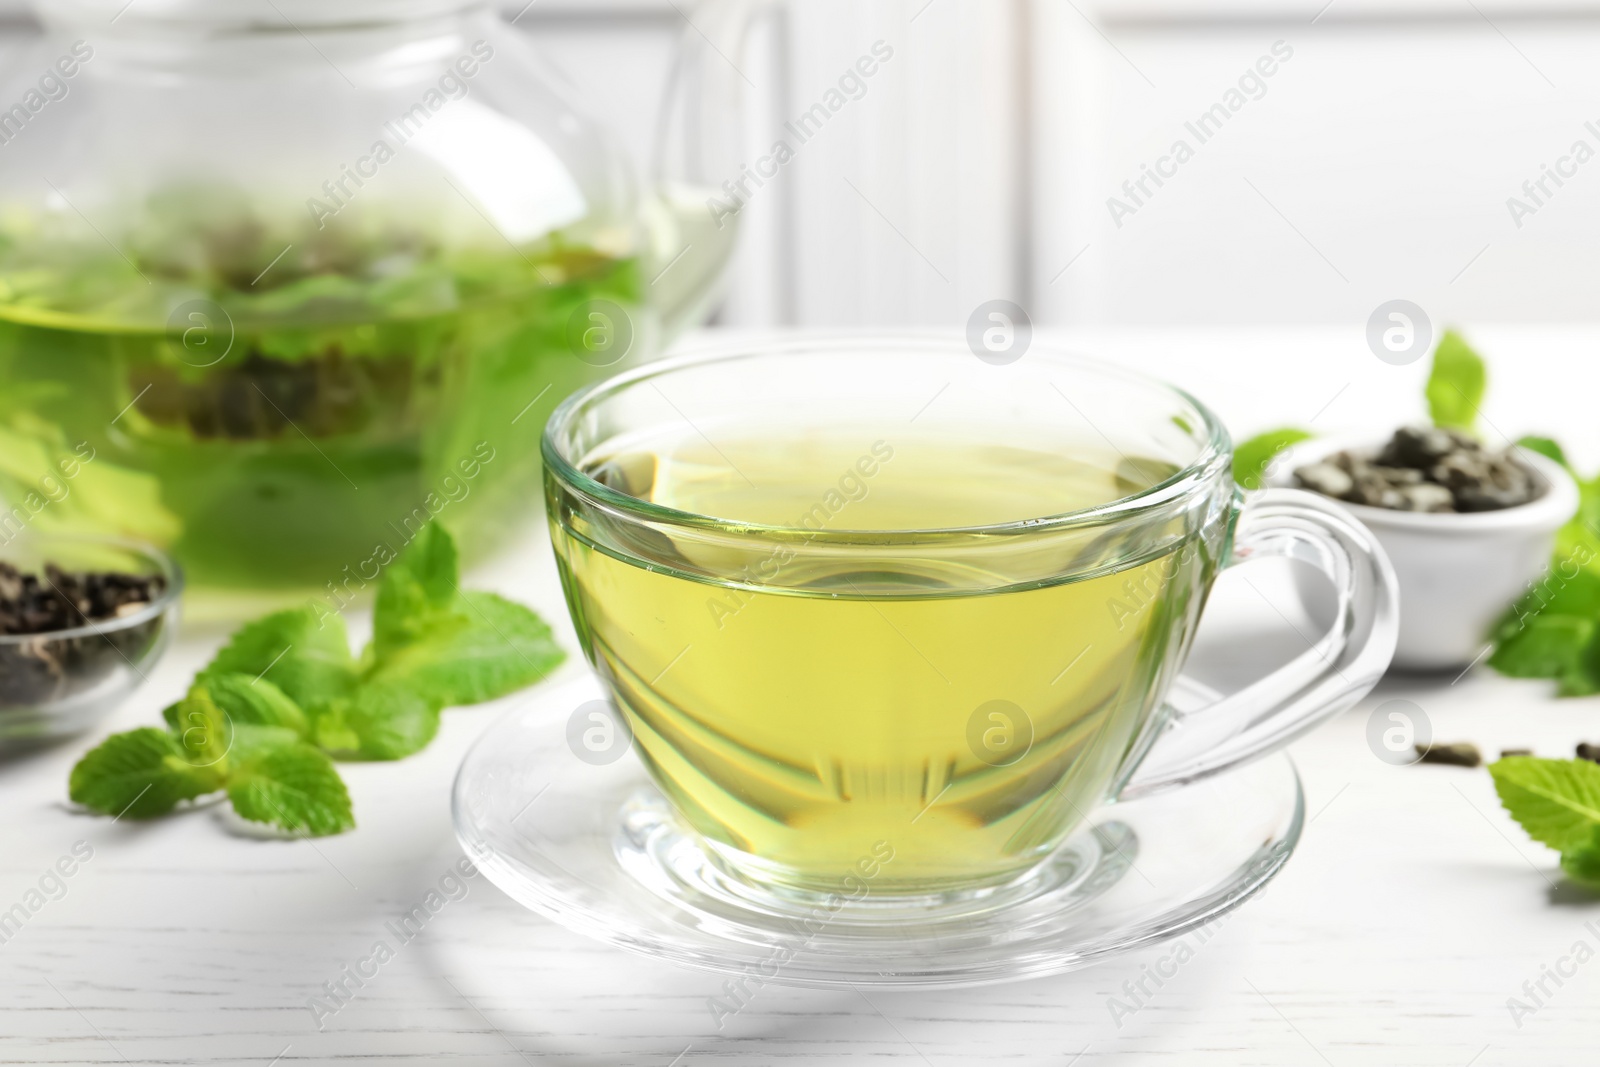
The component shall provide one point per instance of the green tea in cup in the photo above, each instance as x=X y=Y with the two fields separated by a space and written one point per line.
x=839 y=618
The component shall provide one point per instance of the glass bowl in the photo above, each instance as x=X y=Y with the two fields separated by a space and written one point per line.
x=63 y=682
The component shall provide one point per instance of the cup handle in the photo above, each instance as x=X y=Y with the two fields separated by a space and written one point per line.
x=1329 y=677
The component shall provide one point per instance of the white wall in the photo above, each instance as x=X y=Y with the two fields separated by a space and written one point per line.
x=979 y=162
x=1377 y=165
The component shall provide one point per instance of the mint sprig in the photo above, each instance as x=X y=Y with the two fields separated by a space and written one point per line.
x=1252 y=458
x=262 y=720
x=1553 y=630
x=1457 y=384
x=1558 y=803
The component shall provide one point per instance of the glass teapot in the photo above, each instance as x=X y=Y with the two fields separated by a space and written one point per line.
x=281 y=281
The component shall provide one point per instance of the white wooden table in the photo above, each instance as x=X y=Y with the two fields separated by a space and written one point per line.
x=1412 y=911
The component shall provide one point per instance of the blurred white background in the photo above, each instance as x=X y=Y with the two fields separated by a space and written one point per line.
x=1375 y=163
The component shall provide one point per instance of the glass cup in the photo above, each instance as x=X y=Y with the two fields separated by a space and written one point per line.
x=883 y=608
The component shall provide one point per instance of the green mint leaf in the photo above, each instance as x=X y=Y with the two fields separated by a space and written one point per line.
x=251 y=740
x=256 y=701
x=1552 y=631
x=1578 y=542
x=204 y=732
x=1582 y=864
x=1580 y=681
x=1582 y=678
x=490 y=648
x=1545 y=646
x=1578 y=596
x=1546 y=447
x=1589 y=503
x=443 y=646
x=1457 y=384
x=294 y=787
x=381 y=721
x=1251 y=458
x=332 y=733
x=139 y=774
x=304 y=652
x=1556 y=801
x=417 y=588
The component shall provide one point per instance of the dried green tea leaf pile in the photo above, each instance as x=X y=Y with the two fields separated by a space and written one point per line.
x=285 y=697
x=1425 y=468
x=64 y=600
x=54 y=667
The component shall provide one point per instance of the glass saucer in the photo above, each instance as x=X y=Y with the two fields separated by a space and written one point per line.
x=597 y=849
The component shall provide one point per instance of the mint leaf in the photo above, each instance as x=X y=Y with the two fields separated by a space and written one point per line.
x=1556 y=801
x=1552 y=632
x=416 y=590
x=293 y=787
x=1578 y=596
x=1252 y=457
x=381 y=721
x=1580 y=681
x=1457 y=384
x=489 y=648
x=443 y=646
x=1582 y=864
x=257 y=701
x=1582 y=677
x=251 y=740
x=331 y=733
x=304 y=655
x=1546 y=447
x=1546 y=646
x=1579 y=540
x=139 y=774
x=203 y=731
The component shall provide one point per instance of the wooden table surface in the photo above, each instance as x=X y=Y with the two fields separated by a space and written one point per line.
x=1411 y=915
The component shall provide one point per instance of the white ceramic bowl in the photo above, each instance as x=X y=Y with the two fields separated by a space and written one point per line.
x=1458 y=573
